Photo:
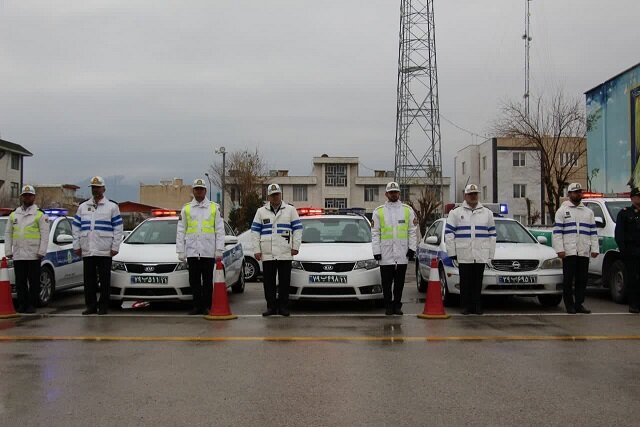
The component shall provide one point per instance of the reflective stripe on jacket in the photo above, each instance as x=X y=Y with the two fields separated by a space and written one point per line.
x=393 y=233
x=470 y=234
x=200 y=232
x=97 y=228
x=574 y=230
x=26 y=234
x=276 y=234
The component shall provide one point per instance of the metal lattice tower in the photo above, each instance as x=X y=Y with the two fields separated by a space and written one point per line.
x=527 y=50
x=418 y=147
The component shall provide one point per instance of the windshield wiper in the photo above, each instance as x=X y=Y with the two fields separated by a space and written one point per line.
x=348 y=241
x=135 y=243
x=507 y=241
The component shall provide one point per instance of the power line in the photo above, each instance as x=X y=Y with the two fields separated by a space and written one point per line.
x=461 y=128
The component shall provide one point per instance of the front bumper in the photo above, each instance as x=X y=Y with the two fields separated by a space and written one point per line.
x=176 y=289
x=548 y=282
x=361 y=285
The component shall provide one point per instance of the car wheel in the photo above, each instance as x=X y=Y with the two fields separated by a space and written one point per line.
x=448 y=299
x=420 y=282
x=616 y=281
x=550 y=300
x=47 y=286
x=238 y=287
x=251 y=269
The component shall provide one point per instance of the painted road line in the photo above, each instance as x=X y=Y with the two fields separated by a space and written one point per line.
x=470 y=338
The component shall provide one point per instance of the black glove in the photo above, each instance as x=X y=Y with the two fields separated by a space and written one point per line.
x=453 y=258
x=377 y=257
x=411 y=254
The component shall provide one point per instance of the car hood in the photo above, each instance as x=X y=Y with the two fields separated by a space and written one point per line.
x=524 y=251
x=147 y=253
x=334 y=252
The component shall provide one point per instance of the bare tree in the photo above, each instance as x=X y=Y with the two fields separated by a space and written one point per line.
x=557 y=129
x=425 y=206
x=246 y=172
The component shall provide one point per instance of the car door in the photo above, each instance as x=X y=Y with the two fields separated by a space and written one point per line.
x=233 y=255
x=426 y=251
x=62 y=256
x=595 y=264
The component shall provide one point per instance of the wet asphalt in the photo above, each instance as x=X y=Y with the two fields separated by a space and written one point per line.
x=328 y=364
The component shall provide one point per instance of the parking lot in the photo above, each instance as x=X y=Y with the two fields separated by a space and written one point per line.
x=327 y=364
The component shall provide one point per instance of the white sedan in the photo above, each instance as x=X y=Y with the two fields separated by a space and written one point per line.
x=252 y=267
x=522 y=266
x=147 y=267
x=61 y=268
x=335 y=261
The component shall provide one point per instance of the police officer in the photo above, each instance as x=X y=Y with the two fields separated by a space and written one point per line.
x=200 y=240
x=26 y=238
x=277 y=232
x=97 y=234
x=470 y=236
x=394 y=242
x=628 y=240
x=575 y=238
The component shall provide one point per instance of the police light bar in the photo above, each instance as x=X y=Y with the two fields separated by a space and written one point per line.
x=5 y=211
x=310 y=211
x=592 y=195
x=56 y=212
x=163 y=212
x=504 y=209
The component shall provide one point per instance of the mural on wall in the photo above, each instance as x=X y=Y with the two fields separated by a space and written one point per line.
x=613 y=137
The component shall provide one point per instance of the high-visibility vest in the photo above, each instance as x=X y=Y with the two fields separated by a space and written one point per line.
x=29 y=232
x=402 y=230
x=206 y=226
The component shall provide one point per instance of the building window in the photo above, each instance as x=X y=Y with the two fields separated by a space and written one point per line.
x=371 y=193
x=299 y=193
x=335 y=203
x=519 y=159
x=484 y=163
x=404 y=192
x=484 y=192
x=464 y=168
x=15 y=161
x=568 y=159
x=519 y=191
x=335 y=176
x=15 y=189
x=522 y=219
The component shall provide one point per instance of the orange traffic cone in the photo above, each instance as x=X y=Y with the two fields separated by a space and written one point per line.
x=6 y=303
x=433 y=307
x=220 y=309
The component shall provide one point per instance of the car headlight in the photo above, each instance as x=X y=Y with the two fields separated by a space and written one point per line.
x=118 y=265
x=368 y=264
x=183 y=265
x=551 y=263
x=297 y=265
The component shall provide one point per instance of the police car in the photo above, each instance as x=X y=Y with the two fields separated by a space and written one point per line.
x=61 y=268
x=523 y=266
x=147 y=266
x=335 y=261
x=252 y=267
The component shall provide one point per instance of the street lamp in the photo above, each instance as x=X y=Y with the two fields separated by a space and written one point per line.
x=208 y=179
x=222 y=151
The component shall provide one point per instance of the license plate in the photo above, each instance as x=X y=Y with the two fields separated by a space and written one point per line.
x=521 y=280
x=161 y=280
x=317 y=278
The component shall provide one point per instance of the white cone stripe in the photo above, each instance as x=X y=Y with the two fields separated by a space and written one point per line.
x=434 y=275
x=219 y=276
x=4 y=275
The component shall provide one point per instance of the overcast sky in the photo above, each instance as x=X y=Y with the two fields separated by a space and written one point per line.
x=148 y=89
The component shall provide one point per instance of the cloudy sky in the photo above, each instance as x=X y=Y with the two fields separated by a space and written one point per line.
x=143 y=90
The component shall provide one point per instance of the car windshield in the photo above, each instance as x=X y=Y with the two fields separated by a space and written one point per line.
x=154 y=232
x=3 y=224
x=335 y=230
x=512 y=232
x=614 y=208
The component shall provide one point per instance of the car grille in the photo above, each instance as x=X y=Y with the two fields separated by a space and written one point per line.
x=317 y=267
x=328 y=291
x=157 y=268
x=520 y=264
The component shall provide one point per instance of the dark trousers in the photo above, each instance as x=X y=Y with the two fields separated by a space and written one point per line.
x=575 y=268
x=27 y=271
x=632 y=263
x=392 y=277
x=281 y=269
x=471 y=276
x=96 y=268
x=201 y=281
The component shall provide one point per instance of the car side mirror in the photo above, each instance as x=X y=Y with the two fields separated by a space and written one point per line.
x=542 y=240
x=230 y=240
x=64 y=239
x=432 y=240
x=599 y=222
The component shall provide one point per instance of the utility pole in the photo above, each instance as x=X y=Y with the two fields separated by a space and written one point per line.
x=222 y=151
x=418 y=158
x=527 y=47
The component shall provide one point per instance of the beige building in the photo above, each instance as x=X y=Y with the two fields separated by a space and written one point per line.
x=334 y=182
x=11 y=172
x=507 y=170
x=169 y=194
x=57 y=196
